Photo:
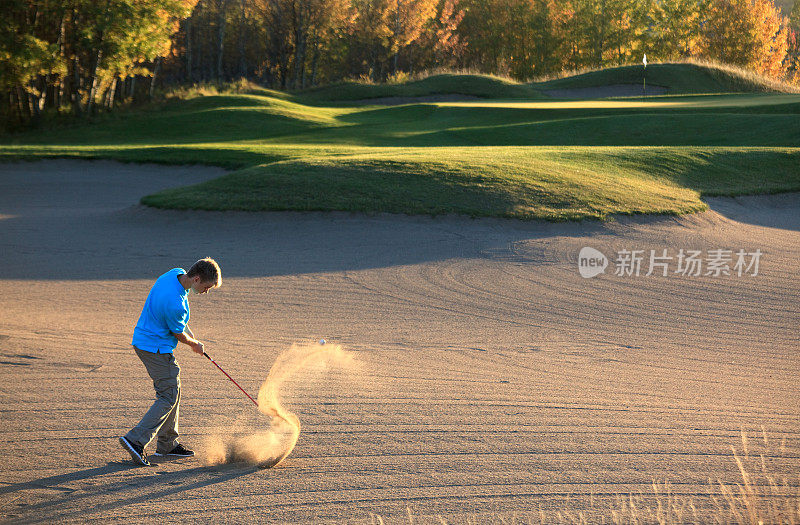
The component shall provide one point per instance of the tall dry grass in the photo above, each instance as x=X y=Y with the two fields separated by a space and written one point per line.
x=206 y=89
x=759 y=498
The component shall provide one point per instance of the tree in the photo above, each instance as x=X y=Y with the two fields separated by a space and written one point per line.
x=521 y=38
x=792 y=61
x=26 y=57
x=408 y=20
x=607 y=31
x=676 y=28
x=369 y=37
x=448 y=46
x=747 y=33
x=77 y=50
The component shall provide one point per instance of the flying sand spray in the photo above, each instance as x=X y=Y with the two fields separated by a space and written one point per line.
x=267 y=448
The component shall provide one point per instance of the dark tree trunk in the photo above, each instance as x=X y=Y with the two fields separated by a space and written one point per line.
x=220 y=37
x=189 y=64
x=24 y=105
x=93 y=81
x=11 y=109
x=242 y=37
x=314 y=59
x=60 y=89
x=76 y=87
x=303 y=63
x=35 y=105
x=602 y=34
x=112 y=92
x=155 y=75
x=299 y=48
x=283 y=68
x=396 y=37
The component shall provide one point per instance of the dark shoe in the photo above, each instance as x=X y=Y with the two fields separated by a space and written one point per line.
x=179 y=450
x=136 y=452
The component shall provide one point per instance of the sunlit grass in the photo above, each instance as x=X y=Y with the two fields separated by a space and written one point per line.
x=511 y=182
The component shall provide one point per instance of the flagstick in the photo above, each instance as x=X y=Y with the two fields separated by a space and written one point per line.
x=644 y=77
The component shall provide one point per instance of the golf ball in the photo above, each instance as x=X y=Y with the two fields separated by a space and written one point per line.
x=322 y=341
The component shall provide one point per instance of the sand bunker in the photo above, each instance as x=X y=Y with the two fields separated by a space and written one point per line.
x=492 y=377
x=269 y=446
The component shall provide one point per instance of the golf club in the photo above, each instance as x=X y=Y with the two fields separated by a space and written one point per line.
x=232 y=380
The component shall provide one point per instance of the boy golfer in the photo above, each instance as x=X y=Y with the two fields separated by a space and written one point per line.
x=162 y=325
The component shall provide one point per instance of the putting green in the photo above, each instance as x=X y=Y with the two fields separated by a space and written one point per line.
x=660 y=102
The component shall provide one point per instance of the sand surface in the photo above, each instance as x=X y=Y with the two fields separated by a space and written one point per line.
x=492 y=377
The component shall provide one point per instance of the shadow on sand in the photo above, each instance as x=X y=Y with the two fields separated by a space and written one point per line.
x=98 y=496
x=86 y=213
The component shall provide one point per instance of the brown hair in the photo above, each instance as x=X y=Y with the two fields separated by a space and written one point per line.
x=208 y=270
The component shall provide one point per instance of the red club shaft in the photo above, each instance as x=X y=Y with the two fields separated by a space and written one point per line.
x=232 y=380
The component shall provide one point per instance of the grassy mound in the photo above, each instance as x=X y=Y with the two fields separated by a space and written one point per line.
x=678 y=78
x=685 y=78
x=522 y=157
x=511 y=182
x=483 y=86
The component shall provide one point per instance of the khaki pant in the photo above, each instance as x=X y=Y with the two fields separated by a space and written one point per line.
x=162 y=418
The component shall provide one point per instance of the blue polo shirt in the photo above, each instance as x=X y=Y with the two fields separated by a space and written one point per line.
x=165 y=312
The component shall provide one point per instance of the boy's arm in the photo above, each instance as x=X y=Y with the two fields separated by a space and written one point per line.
x=197 y=346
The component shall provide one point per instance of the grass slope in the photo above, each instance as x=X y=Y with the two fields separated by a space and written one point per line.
x=679 y=79
x=514 y=157
x=514 y=182
x=484 y=86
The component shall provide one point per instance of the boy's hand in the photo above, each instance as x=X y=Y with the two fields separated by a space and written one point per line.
x=197 y=348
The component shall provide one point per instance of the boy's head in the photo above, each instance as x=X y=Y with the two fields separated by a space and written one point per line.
x=204 y=275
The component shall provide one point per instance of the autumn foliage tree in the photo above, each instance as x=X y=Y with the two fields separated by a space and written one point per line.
x=747 y=33
x=792 y=61
x=448 y=47
x=607 y=32
x=91 y=54
x=78 y=52
x=676 y=28
x=408 y=20
x=521 y=38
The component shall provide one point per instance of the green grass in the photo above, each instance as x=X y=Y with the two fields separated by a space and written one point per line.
x=517 y=155
x=518 y=182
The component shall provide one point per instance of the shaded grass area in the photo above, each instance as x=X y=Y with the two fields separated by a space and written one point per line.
x=505 y=157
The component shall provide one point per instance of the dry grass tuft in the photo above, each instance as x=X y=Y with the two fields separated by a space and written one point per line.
x=760 y=498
